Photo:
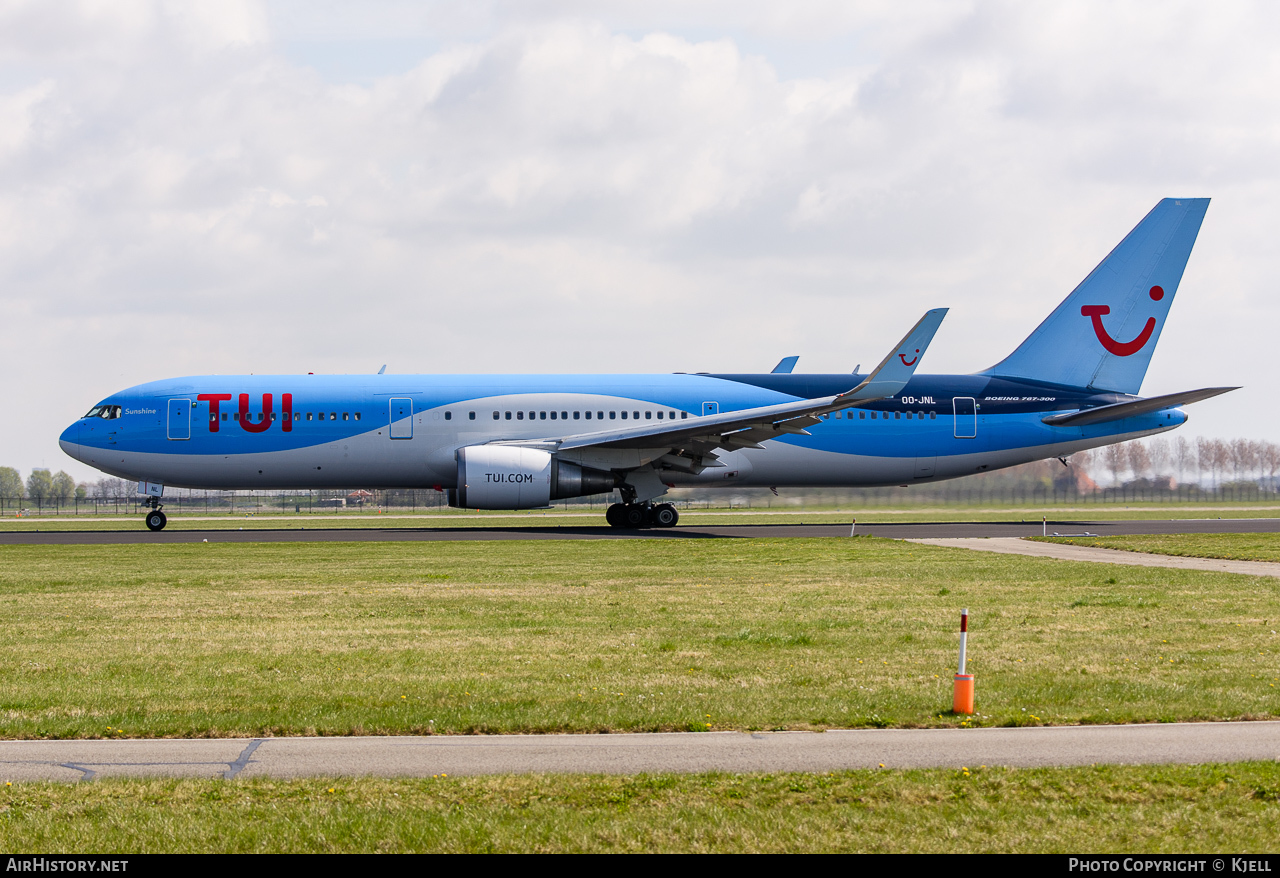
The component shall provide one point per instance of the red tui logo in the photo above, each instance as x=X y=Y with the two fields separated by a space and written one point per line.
x=245 y=419
x=1121 y=348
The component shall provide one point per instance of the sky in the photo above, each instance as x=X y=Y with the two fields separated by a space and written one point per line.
x=192 y=187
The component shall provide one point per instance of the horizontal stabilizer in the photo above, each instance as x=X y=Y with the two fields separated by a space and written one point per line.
x=1121 y=410
x=785 y=365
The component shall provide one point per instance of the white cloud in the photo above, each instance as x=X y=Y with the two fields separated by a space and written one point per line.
x=546 y=189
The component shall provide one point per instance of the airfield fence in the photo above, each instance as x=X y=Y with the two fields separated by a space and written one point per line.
x=430 y=500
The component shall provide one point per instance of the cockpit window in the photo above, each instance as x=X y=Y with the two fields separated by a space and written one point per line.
x=106 y=412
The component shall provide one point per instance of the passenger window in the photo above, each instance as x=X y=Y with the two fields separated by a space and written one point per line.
x=495 y=415
x=543 y=415
x=648 y=416
x=471 y=416
x=671 y=416
x=873 y=416
x=659 y=416
x=613 y=416
x=575 y=415
x=553 y=416
x=908 y=416
x=224 y=416
x=624 y=415
x=357 y=416
x=308 y=416
x=684 y=415
x=564 y=416
x=635 y=415
x=448 y=416
x=588 y=414
x=897 y=416
x=519 y=416
x=827 y=416
x=933 y=415
x=600 y=415
x=345 y=416
x=862 y=416
x=534 y=415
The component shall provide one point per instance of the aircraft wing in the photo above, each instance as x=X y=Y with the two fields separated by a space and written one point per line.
x=1120 y=410
x=690 y=443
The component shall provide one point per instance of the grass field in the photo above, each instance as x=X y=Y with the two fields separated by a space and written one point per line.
x=579 y=516
x=1236 y=547
x=1202 y=809
x=455 y=637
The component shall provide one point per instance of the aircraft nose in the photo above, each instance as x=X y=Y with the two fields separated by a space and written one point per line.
x=70 y=440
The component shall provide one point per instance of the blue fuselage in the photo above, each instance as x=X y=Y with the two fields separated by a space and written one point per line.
x=403 y=431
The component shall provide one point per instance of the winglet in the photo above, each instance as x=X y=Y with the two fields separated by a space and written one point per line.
x=785 y=365
x=896 y=369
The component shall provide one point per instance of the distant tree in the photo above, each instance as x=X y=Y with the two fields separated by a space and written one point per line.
x=1117 y=460
x=1083 y=461
x=1269 y=460
x=1159 y=452
x=110 y=489
x=1139 y=460
x=1204 y=456
x=10 y=483
x=82 y=490
x=1181 y=456
x=40 y=485
x=64 y=487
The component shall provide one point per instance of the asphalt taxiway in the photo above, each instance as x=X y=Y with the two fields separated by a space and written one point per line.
x=1164 y=743
x=138 y=534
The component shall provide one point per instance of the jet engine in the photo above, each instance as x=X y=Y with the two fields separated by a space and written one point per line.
x=510 y=477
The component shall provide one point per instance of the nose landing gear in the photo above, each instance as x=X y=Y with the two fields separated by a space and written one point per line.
x=635 y=516
x=156 y=520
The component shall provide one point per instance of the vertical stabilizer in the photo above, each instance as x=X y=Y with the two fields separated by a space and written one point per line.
x=1102 y=335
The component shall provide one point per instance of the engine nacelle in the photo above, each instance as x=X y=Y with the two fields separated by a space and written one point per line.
x=510 y=477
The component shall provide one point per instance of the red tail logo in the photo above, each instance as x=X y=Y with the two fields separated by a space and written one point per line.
x=1121 y=348
x=912 y=361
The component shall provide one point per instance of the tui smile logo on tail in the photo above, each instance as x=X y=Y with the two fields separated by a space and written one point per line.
x=1121 y=348
x=912 y=361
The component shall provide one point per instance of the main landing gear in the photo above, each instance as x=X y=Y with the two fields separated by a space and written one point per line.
x=156 y=519
x=639 y=515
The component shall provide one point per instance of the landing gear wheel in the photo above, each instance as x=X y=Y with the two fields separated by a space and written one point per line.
x=156 y=520
x=633 y=515
x=665 y=515
x=613 y=515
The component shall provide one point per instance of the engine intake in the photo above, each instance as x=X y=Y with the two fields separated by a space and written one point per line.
x=507 y=477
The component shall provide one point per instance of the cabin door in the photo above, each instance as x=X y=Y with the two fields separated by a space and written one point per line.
x=179 y=419
x=966 y=409
x=401 y=418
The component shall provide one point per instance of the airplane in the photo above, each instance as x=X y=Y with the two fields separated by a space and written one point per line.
x=524 y=441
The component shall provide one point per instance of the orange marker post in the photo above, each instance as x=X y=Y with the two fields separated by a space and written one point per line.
x=962 y=700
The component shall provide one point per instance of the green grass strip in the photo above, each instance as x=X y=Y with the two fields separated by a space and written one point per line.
x=584 y=636
x=1135 y=809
